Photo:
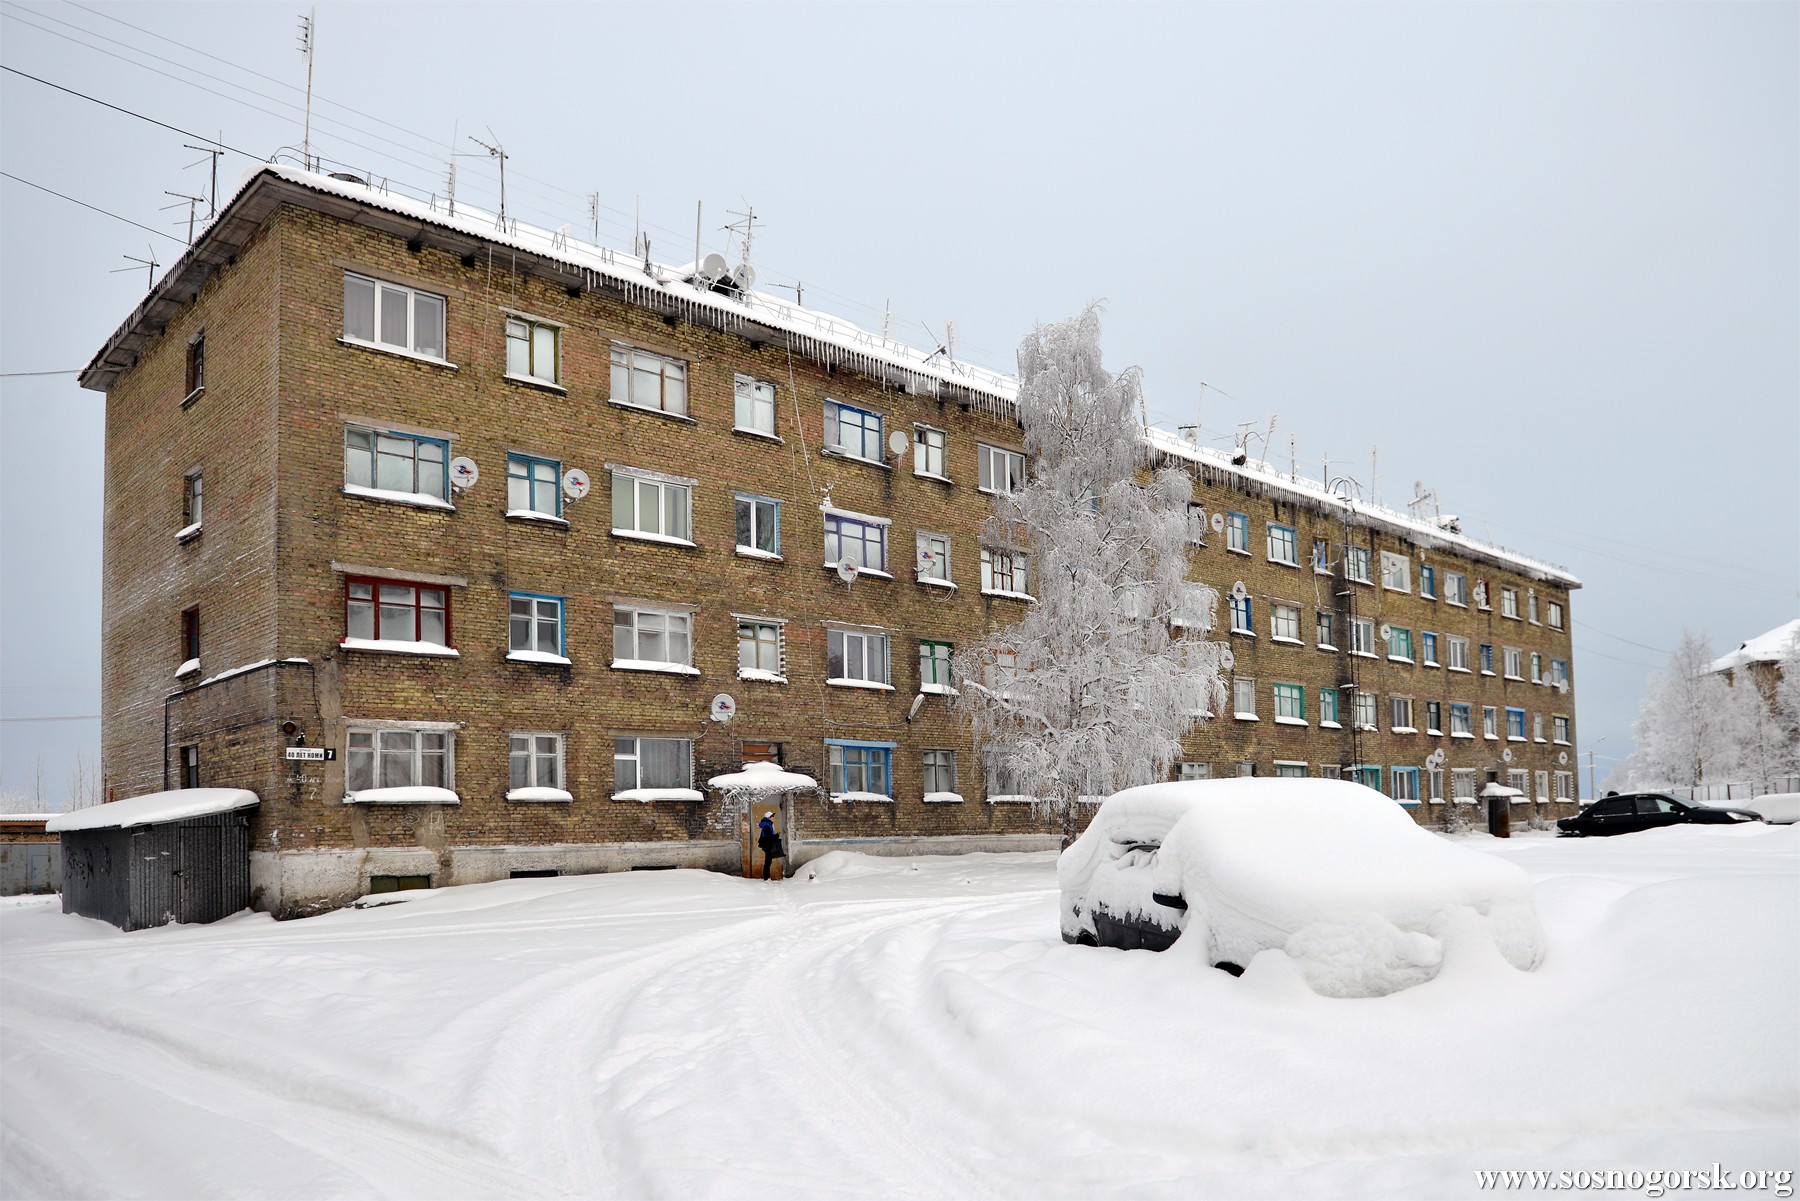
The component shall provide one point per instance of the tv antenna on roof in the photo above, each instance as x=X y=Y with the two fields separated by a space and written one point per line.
x=191 y=202
x=1423 y=497
x=497 y=151
x=307 y=27
x=150 y=263
x=212 y=196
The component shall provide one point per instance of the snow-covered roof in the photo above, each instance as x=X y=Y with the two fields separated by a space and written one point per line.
x=154 y=807
x=810 y=333
x=763 y=777
x=1768 y=647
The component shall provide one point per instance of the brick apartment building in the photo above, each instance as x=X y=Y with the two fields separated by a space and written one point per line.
x=517 y=670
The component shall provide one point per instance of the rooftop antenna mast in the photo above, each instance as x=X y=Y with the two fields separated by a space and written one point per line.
x=212 y=195
x=1423 y=497
x=150 y=263
x=594 y=215
x=746 y=225
x=192 y=203
x=497 y=151
x=307 y=26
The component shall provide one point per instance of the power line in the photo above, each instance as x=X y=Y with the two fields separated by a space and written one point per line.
x=84 y=204
x=128 y=112
x=1628 y=642
x=23 y=374
x=70 y=717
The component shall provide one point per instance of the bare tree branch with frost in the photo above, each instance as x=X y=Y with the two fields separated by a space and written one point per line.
x=1695 y=728
x=1094 y=687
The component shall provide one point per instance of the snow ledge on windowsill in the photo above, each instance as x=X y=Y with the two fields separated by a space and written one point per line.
x=663 y=539
x=943 y=798
x=417 y=794
x=872 y=686
x=187 y=531
x=934 y=582
x=538 y=794
x=761 y=676
x=417 y=500
x=398 y=352
x=534 y=515
x=763 y=434
x=625 y=404
x=533 y=381
x=861 y=798
x=187 y=668
x=863 y=571
x=1245 y=717
x=939 y=690
x=1012 y=798
x=673 y=669
x=659 y=794
x=754 y=552
x=400 y=648
x=537 y=657
x=1330 y=725
x=1291 y=721
x=1018 y=596
x=1286 y=641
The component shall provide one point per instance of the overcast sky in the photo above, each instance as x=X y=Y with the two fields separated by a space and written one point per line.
x=1545 y=257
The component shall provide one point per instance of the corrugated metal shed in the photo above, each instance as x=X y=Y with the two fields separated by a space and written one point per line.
x=189 y=869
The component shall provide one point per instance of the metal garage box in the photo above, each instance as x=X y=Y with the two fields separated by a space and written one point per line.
x=180 y=856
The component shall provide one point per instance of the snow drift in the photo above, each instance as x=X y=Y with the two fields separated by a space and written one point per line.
x=1333 y=875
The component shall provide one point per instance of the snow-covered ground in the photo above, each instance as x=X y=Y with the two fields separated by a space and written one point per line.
x=910 y=1028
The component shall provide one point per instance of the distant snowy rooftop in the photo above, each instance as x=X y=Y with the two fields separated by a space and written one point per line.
x=152 y=808
x=815 y=335
x=1768 y=647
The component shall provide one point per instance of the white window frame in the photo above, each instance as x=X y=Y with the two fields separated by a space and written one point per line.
x=1512 y=660
x=938 y=771
x=671 y=373
x=379 y=290
x=1463 y=778
x=1284 y=623
x=628 y=636
x=754 y=513
x=534 y=755
x=1243 y=698
x=1565 y=786
x=864 y=658
x=845 y=530
x=193 y=501
x=419 y=753
x=1559 y=729
x=524 y=332
x=999 y=471
x=1457 y=653
x=1456 y=589
x=869 y=428
x=1365 y=709
x=1284 y=544
x=931 y=447
x=767 y=638
x=1356 y=564
x=666 y=488
x=1537 y=728
x=634 y=755
x=1396 y=572
x=753 y=406
x=1400 y=715
x=1509 y=602
x=1362 y=636
x=1556 y=615
x=1490 y=722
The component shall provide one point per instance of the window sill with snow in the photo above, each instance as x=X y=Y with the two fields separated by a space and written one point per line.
x=653 y=665
x=417 y=500
x=538 y=795
x=415 y=794
x=537 y=657
x=389 y=646
x=647 y=795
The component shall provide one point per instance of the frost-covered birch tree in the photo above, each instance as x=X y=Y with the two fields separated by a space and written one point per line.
x=1095 y=685
x=1690 y=727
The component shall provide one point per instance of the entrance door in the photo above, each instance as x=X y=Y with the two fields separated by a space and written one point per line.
x=751 y=829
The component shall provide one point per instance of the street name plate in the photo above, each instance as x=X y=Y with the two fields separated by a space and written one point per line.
x=312 y=754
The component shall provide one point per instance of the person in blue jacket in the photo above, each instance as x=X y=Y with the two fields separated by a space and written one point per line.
x=769 y=842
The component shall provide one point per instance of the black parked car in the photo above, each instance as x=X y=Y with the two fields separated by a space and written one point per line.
x=1647 y=810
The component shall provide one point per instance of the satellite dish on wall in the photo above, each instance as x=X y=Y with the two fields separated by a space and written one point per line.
x=1227 y=660
x=723 y=708
x=1562 y=757
x=1238 y=591
x=1506 y=754
x=1387 y=631
x=463 y=473
x=575 y=483
x=1218 y=522
x=898 y=442
x=846 y=570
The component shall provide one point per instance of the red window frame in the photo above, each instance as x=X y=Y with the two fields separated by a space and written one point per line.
x=376 y=583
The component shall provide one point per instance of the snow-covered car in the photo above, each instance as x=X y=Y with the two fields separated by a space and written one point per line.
x=1647 y=811
x=1335 y=875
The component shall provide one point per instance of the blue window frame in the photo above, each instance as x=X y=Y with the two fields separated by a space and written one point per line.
x=855 y=432
x=395 y=462
x=1462 y=720
x=1321 y=555
x=1367 y=776
x=1428 y=647
x=535 y=624
x=1240 y=616
x=1559 y=671
x=862 y=540
x=1403 y=785
x=533 y=485
x=1237 y=532
x=1515 y=723
x=1487 y=658
x=1427 y=581
x=860 y=766
x=1284 y=545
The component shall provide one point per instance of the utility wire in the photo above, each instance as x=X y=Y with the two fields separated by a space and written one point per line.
x=129 y=112
x=71 y=717
x=127 y=220
x=23 y=374
x=1628 y=642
